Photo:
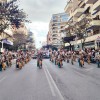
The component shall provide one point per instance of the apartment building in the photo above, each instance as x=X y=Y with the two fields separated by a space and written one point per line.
x=88 y=12
x=56 y=29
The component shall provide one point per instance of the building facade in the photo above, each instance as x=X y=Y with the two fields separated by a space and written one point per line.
x=21 y=30
x=84 y=14
x=56 y=29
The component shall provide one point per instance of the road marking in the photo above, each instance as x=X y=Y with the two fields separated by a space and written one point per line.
x=88 y=69
x=53 y=82
x=50 y=85
x=3 y=79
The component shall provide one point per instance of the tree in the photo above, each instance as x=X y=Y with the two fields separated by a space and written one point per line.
x=19 y=40
x=30 y=41
x=80 y=28
x=30 y=37
x=70 y=36
x=11 y=15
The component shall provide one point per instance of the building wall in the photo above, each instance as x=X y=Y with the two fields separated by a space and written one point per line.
x=93 y=16
x=57 y=23
x=22 y=30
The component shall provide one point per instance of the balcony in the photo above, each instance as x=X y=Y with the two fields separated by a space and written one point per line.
x=67 y=26
x=54 y=38
x=90 y=1
x=54 y=28
x=68 y=6
x=96 y=6
x=56 y=43
x=81 y=17
x=78 y=12
x=2 y=1
x=54 y=35
x=95 y=23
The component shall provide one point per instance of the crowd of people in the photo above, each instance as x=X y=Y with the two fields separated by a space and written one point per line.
x=87 y=55
x=7 y=57
x=23 y=57
x=6 y=60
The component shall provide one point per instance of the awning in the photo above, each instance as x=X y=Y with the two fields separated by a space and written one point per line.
x=68 y=39
x=7 y=42
x=91 y=46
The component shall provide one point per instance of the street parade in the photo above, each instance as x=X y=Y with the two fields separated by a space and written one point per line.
x=49 y=49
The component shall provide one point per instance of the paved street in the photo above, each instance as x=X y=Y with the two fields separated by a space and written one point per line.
x=51 y=82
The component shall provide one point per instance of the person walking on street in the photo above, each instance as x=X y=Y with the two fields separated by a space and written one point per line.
x=98 y=58
x=88 y=58
x=0 y=65
x=81 y=60
x=72 y=58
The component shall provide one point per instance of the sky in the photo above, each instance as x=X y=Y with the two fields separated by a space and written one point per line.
x=39 y=13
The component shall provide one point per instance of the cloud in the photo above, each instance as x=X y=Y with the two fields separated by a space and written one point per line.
x=40 y=30
x=42 y=10
x=40 y=13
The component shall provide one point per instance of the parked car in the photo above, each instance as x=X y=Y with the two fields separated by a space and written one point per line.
x=93 y=60
x=45 y=56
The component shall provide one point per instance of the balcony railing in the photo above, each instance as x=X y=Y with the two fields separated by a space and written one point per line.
x=68 y=6
x=95 y=23
x=54 y=33
x=90 y=1
x=81 y=17
x=54 y=38
x=78 y=12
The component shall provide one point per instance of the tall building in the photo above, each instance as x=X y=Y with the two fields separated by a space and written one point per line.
x=84 y=12
x=56 y=29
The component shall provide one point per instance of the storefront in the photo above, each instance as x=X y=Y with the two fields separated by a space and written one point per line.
x=5 y=45
x=90 y=44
